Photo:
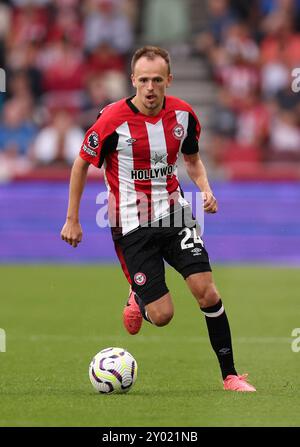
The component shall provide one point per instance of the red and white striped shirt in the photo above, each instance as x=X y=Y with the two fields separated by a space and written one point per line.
x=140 y=155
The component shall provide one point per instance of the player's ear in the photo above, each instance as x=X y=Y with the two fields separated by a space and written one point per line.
x=133 y=80
x=170 y=79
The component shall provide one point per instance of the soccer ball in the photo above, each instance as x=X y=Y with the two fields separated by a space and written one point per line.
x=113 y=370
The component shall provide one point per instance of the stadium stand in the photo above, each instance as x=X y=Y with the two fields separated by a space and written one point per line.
x=232 y=60
x=252 y=49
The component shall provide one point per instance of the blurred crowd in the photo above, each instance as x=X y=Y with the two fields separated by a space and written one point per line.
x=252 y=48
x=66 y=59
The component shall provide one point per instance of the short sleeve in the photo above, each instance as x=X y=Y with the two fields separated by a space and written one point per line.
x=190 y=144
x=96 y=145
x=91 y=147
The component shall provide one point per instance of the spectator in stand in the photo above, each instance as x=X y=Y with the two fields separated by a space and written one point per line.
x=17 y=130
x=106 y=22
x=66 y=25
x=236 y=64
x=281 y=42
x=22 y=68
x=57 y=144
x=287 y=99
x=223 y=120
x=253 y=122
x=105 y=58
x=28 y=31
x=238 y=42
x=275 y=76
x=63 y=67
x=285 y=137
x=240 y=79
x=29 y=24
x=101 y=89
x=95 y=99
x=220 y=18
x=19 y=85
x=64 y=71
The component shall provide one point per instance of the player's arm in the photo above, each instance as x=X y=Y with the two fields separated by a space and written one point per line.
x=197 y=173
x=72 y=231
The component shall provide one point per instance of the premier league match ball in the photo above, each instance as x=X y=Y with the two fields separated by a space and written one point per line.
x=113 y=370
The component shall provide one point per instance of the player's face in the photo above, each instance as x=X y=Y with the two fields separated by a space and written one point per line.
x=151 y=79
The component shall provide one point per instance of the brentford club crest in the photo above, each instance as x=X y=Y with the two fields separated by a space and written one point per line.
x=178 y=131
x=140 y=278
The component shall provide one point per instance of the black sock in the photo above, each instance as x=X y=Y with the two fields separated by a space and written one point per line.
x=142 y=307
x=220 y=337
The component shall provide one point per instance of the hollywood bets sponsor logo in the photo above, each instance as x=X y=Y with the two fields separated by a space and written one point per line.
x=178 y=131
x=140 y=278
x=147 y=174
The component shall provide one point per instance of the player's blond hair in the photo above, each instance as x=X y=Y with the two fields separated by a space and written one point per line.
x=151 y=52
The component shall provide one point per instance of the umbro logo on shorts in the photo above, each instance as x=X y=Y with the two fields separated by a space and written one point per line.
x=196 y=251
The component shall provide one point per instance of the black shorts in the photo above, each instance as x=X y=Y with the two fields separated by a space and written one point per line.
x=142 y=254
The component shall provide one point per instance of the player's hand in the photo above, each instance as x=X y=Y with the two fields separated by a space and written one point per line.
x=71 y=233
x=210 y=202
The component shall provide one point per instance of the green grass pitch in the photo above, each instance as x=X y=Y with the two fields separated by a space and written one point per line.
x=57 y=317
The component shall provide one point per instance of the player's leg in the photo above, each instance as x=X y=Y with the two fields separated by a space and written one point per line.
x=204 y=290
x=185 y=251
x=143 y=266
x=132 y=318
x=160 y=312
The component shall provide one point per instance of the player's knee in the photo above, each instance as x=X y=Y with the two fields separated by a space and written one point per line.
x=208 y=295
x=161 y=318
